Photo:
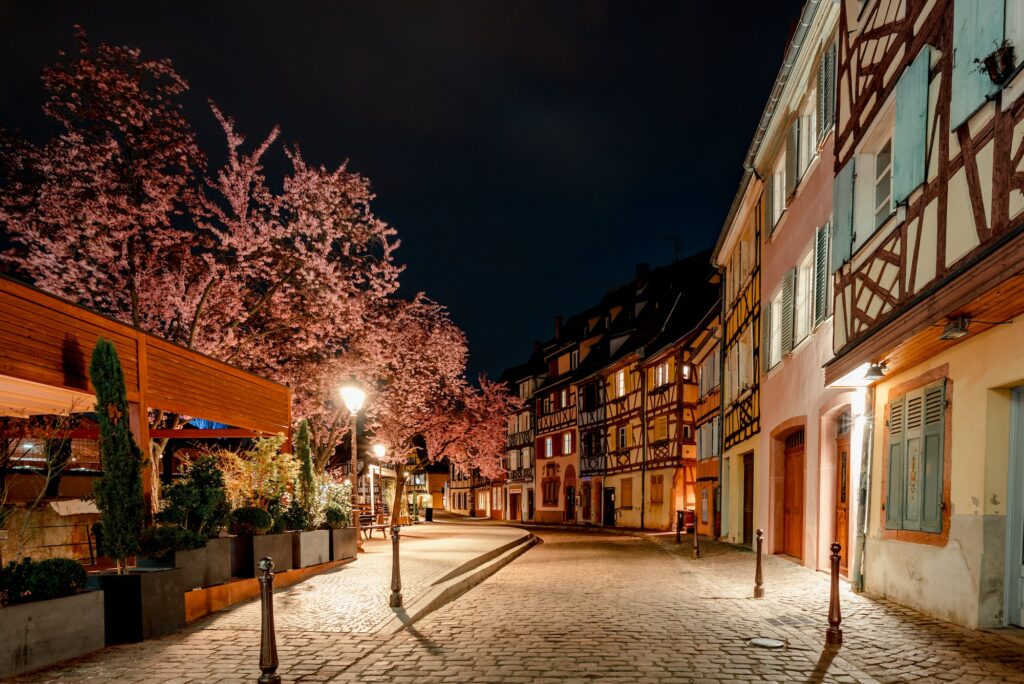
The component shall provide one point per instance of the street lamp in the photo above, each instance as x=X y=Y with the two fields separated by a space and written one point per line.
x=353 y=396
x=378 y=450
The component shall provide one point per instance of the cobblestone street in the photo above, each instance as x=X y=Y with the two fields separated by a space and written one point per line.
x=587 y=607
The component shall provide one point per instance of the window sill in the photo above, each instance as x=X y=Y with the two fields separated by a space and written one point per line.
x=939 y=539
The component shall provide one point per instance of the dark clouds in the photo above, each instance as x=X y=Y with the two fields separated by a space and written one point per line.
x=529 y=153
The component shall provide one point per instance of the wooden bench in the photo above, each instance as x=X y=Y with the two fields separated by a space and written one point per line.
x=368 y=525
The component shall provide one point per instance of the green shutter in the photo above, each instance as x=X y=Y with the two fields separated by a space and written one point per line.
x=793 y=156
x=909 y=139
x=977 y=32
x=822 y=273
x=769 y=200
x=894 y=477
x=788 y=290
x=766 y=337
x=826 y=91
x=913 y=453
x=842 y=215
x=932 y=457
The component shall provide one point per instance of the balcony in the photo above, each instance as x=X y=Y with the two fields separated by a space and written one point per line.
x=518 y=440
x=521 y=474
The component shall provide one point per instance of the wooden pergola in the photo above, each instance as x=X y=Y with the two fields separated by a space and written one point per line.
x=45 y=347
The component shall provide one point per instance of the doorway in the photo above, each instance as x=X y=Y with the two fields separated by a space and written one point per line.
x=842 y=518
x=1014 y=578
x=609 y=507
x=585 y=500
x=529 y=505
x=513 y=506
x=748 y=499
x=793 y=496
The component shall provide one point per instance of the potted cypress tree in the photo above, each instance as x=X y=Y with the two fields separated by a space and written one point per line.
x=310 y=545
x=140 y=604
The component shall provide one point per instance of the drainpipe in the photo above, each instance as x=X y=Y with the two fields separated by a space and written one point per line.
x=721 y=399
x=864 y=491
x=643 y=438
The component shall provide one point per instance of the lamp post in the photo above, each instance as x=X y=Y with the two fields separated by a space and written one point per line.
x=379 y=450
x=353 y=396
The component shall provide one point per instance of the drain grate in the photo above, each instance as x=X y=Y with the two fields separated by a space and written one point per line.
x=765 y=642
x=792 y=619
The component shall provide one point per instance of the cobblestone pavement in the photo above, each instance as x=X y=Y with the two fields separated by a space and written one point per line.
x=592 y=606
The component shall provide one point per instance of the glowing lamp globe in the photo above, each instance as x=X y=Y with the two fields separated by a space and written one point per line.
x=379 y=450
x=353 y=397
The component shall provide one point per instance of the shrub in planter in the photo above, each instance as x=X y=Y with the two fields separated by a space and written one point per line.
x=335 y=517
x=29 y=580
x=163 y=540
x=296 y=517
x=199 y=501
x=250 y=520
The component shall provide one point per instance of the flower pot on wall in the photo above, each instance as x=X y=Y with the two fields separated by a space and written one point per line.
x=246 y=552
x=201 y=567
x=310 y=548
x=343 y=543
x=42 y=633
x=142 y=604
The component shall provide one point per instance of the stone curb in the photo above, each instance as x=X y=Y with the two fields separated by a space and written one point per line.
x=482 y=558
x=447 y=590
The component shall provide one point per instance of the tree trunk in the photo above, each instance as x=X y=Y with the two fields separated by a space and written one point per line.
x=399 y=491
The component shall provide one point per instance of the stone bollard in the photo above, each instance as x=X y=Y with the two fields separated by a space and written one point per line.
x=268 y=642
x=679 y=527
x=834 y=634
x=696 y=540
x=396 y=572
x=758 y=574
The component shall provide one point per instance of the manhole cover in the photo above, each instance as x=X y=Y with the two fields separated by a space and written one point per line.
x=765 y=642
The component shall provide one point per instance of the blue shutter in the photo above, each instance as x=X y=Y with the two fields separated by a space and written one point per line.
x=913 y=456
x=842 y=216
x=788 y=295
x=977 y=32
x=894 y=475
x=910 y=137
x=932 y=457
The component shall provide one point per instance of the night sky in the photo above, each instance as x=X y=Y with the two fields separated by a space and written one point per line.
x=529 y=153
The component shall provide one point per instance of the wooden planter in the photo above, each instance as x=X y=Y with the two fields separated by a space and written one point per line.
x=142 y=604
x=247 y=551
x=203 y=567
x=42 y=633
x=343 y=543
x=310 y=548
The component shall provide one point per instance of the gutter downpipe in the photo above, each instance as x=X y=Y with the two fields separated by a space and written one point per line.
x=864 y=491
x=721 y=401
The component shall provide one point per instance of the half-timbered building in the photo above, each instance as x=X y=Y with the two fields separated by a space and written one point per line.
x=520 y=460
x=929 y=290
x=707 y=421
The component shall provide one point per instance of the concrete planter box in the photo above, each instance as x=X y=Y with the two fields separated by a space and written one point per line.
x=310 y=548
x=247 y=551
x=143 y=604
x=42 y=633
x=203 y=567
x=343 y=543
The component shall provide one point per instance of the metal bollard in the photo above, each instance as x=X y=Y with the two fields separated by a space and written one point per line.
x=834 y=634
x=679 y=527
x=268 y=643
x=758 y=573
x=696 y=538
x=396 y=572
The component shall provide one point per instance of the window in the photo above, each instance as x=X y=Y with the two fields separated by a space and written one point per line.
x=623 y=437
x=574 y=359
x=686 y=371
x=513 y=424
x=803 y=313
x=661 y=374
x=778 y=196
x=687 y=432
x=626 y=493
x=825 y=92
x=915 y=477
x=707 y=376
x=660 y=428
x=549 y=485
x=567 y=443
x=549 y=447
x=775 y=327
x=546 y=409
x=620 y=383
x=524 y=390
x=657 y=489
x=564 y=399
x=883 y=184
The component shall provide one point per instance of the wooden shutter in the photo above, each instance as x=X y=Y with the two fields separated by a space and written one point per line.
x=822 y=273
x=826 y=92
x=894 y=477
x=842 y=216
x=766 y=337
x=977 y=31
x=793 y=156
x=912 y=457
x=769 y=202
x=932 y=466
x=788 y=289
x=909 y=137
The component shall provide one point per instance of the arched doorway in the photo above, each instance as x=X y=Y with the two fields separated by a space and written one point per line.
x=570 y=494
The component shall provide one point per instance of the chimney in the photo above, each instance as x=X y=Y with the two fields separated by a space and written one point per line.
x=558 y=327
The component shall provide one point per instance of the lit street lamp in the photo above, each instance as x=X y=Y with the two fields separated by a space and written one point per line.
x=354 y=396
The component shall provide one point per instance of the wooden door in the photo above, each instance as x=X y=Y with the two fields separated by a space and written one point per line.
x=585 y=498
x=793 y=496
x=748 y=499
x=609 y=507
x=842 y=521
x=513 y=506
x=570 y=504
